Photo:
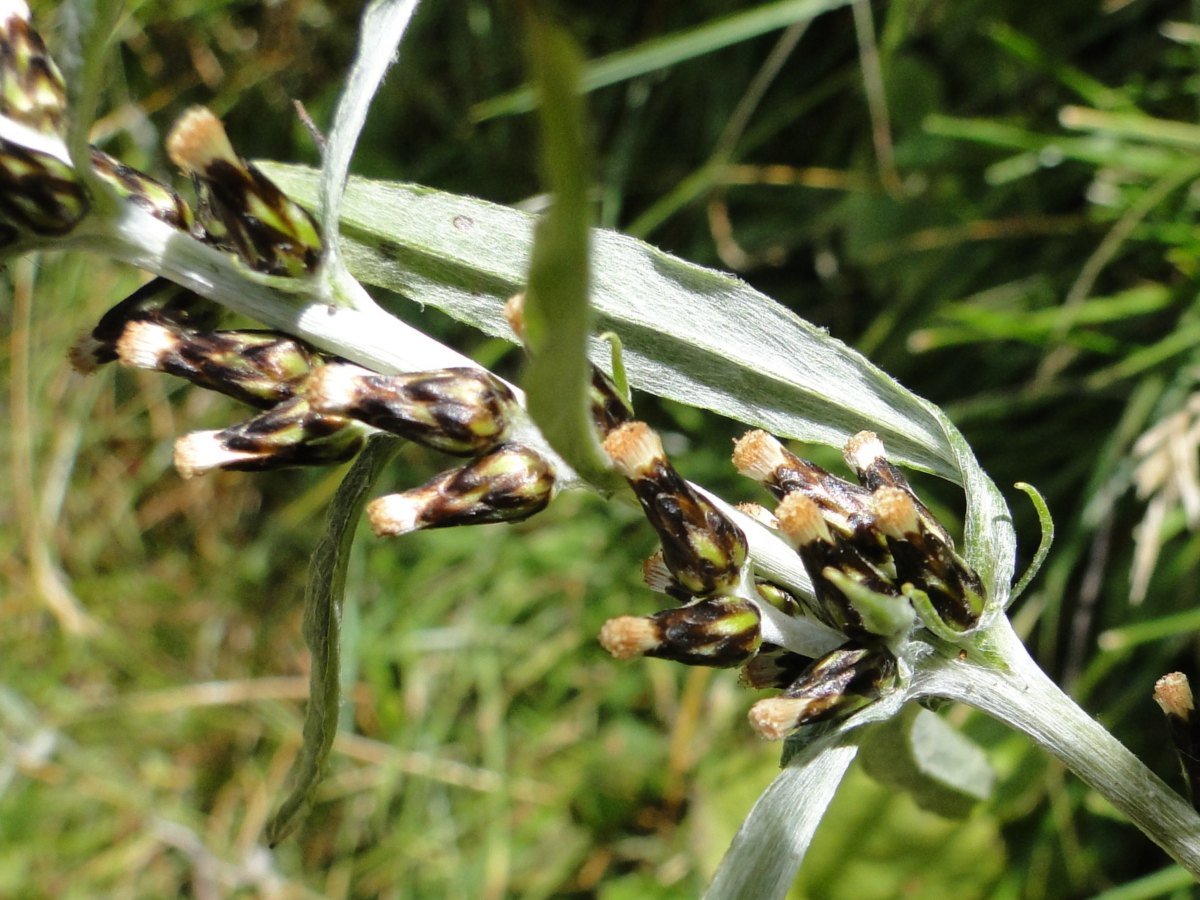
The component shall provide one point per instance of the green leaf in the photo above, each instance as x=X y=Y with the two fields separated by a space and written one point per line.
x=322 y=628
x=919 y=752
x=557 y=316
x=689 y=334
x=383 y=26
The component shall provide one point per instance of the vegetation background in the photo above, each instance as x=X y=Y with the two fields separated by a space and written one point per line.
x=995 y=201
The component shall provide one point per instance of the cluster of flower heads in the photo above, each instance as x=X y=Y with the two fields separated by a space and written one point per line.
x=312 y=408
x=879 y=561
x=40 y=192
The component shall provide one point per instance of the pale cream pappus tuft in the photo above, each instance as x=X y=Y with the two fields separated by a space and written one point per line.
x=801 y=520
x=863 y=450
x=203 y=451
x=143 y=344
x=758 y=455
x=395 y=514
x=626 y=637
x=634 y=449
x=895 y=513
x=336 y=387
x=198 y=140
x=777 y=717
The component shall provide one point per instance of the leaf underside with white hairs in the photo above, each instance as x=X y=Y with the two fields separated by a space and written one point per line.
x=383 y=25
x=689 y=333
x=761 y=862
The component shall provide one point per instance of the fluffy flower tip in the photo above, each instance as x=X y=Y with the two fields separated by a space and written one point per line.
x=863 y=450
x=198 y=140
x=13 y=9
x=777 y=717
x=395 y=514
x=335 y=388
x=84 y=354
x=1173 y=694
x=514 y=314
x=203 y=451
x=634 y=449
x=757 y=455
x=143 y=344
x=895 y=512
x=801 y=520
x=628 y=636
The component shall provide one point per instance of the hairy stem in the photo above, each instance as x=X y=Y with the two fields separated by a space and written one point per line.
x=1016 y=691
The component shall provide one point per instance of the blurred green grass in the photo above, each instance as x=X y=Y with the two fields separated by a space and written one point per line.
x=1032 y=270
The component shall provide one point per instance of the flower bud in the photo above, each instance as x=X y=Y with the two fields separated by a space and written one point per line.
x=773 y=667
x=703 y=549
x=511 y=483
x=836 y=685
x=259 y=368
x=843 y=505
x=289 y=434
x=245 y=210
x=32 y=90
x=463 y=411
x=719 y=632
x=152 y=195
x=926 y=563
x=854 y=595
x=159 y=300
x=864 y=454
x=39 y=193
x=1173 y=694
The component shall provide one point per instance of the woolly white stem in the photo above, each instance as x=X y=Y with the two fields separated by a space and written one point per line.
x=1024 y=697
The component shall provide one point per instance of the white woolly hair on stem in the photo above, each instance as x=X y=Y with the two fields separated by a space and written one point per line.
x=1016 y=691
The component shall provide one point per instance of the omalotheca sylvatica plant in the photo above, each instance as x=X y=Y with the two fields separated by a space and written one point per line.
x=848 y=602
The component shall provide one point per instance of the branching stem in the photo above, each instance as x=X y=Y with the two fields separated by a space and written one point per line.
x=1024 y=697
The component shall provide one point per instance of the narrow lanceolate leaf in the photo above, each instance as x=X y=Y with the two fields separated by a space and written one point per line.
x=690 y=334
x=322 y=628
x=763 y=859
x=383 y=25
x=556 y=312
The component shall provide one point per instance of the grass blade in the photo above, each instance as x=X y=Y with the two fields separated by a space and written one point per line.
x=669 y=50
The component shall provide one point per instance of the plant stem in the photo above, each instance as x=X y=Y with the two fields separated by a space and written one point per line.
x=1015 y=690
